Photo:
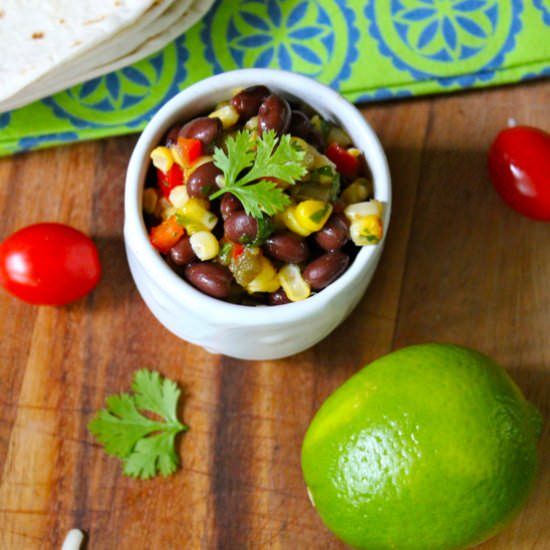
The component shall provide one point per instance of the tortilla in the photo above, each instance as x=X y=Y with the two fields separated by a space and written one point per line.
x=194 y=13
x=118 y=46
x=36 y=35
x=167 y=30
x=122 y=43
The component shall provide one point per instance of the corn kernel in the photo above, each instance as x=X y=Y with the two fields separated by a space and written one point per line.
x=326 y=174
x=252 y=123
x=312 y=214
x=362 y=209
x=150 y=199
x=178 y=196
x=162 y=158
x=195 y=216
x=221 y=104
x=294 y=285
x=191 y=227
x=354 y=152
x=204 y=203
x=204 y=245
x=289 y=219
x=175 y=151
x=227 y=114
x=357 y=191
x=168 y=213
x=267 y=279
x=317 y=123
x=366 y=230
x=164 y=209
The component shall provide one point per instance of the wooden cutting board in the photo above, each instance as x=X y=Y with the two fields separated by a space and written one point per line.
x=459 y=266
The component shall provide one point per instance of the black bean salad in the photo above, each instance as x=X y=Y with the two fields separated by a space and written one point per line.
x=261 y=201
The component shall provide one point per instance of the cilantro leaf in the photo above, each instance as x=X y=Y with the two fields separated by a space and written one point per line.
x=247 y=164
x=283 y=163
x=266 y=227
x=156 y=394
x=120 y=426
x=263 y=196
x=151 y=455
x=240 y=155
x=146 y=446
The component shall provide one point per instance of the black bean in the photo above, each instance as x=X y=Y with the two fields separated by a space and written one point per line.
x=182 y=253
x=172 y=135
x=335 y=233
x=278 y=298
x=247 y=102
x=208 y=130
x=317 y=140
x=212 y=279
x=229 y=204
x=202 y=180
x=301 y=126
x=240 y=227
x=325 y=269
x=274 y=114
x=287 y=247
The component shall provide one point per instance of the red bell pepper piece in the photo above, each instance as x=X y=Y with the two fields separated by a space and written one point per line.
x=190 y=148
x=173 y=178
x=347 y=164
x=165 y=235
x=237 y=250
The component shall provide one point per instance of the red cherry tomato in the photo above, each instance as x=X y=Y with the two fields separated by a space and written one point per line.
x=519 y=167
x=49 y=264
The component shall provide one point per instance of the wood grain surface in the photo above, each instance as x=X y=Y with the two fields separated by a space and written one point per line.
x=459 y=266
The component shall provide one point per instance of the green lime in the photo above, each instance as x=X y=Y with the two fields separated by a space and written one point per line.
x=430 y=447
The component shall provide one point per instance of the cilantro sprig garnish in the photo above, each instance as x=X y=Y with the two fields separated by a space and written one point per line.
x=247 y=163
x=145 y=445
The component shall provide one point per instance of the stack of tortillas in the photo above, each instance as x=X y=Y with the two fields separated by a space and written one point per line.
x=49 y=45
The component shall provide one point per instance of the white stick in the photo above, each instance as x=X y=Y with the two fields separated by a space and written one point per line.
x=73 y=540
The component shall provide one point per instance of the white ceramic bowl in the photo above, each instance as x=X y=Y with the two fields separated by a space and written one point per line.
x=246 y=332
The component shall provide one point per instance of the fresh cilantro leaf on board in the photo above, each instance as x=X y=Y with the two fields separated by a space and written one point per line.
x=247 y=164
x=146 y=446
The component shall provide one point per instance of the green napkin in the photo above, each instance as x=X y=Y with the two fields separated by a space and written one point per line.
x=366 y=49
